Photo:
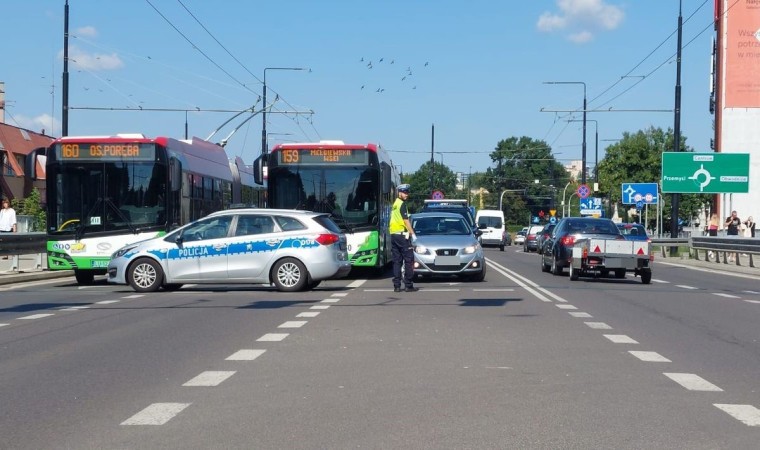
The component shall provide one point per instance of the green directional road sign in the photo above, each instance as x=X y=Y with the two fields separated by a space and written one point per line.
x=705 y=173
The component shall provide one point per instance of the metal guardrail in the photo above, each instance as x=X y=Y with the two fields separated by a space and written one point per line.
x=22 y=243
x=725 y=245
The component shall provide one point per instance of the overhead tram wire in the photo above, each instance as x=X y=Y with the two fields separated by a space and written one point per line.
x=245 y=68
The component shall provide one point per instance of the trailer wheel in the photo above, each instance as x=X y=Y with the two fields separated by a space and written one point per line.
x=619 y=273
x=574 y=273
x=646 y=276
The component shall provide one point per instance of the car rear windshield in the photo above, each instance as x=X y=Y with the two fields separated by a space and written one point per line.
x=632 y=230
x=328 y=223
x=592 y=226
x=489 y=221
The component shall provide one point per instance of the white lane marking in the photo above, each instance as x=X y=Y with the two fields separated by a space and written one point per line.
x=340 y=294
x=156 y=414
x=693 y=382
x=649 y=356
x=272 y=337
x=566 y=307
x=320 y=307
x=4 y=324
x=245 y=355
x=440 y=290
x=378 y=290
x=107 y=302
x=683 y=286
x=79 y=307
x=584 y=315
x=720 y=294
x=35 y=316
x=598 y=325
x=308 y=314
x=752 y=301
x=699 y=269
x=330 y=300
x=210 y=378
x=530 y=286
x=654 y=280
x=620 y=339
x=751 y=292
x=293 y=324
x=495 y=290
x=356 y=283
x=71 y=309
x=747 y=414
x=137 y=295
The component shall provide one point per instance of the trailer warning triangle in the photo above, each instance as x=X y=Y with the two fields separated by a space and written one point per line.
x=641 y=251
x=597 y=250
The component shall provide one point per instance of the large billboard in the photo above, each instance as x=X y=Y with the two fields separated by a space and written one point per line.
x=742 y=55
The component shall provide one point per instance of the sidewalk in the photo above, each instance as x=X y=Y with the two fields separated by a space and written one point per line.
x=28 y=268
x=730 y=267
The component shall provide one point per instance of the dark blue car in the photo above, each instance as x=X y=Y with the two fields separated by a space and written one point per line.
x=633 y=231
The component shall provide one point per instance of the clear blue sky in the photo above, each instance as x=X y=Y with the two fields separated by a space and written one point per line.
x=473 y=69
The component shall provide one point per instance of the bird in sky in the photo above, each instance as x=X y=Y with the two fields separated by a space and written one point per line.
x=381 y=59
x=362 y=86
x=426 y=63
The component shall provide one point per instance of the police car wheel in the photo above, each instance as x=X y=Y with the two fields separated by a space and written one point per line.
x=145 y=275
x=289 y=275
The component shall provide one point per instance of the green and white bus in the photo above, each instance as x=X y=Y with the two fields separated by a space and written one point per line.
x=356 y=184
x=104 y=192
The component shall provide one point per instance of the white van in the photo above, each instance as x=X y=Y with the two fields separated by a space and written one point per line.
x=491 y=223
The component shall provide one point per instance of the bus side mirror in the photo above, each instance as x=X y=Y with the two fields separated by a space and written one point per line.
x=258 y=170
x=36 y=156
x=387 y=182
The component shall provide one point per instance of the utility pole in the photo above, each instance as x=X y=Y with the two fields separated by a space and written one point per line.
x=65 y=93
x=676 y=133
x=432 y=160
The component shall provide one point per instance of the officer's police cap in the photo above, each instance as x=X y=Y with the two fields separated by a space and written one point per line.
x=403 y=188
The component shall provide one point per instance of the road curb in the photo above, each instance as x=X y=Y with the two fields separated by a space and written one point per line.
x=20 y=277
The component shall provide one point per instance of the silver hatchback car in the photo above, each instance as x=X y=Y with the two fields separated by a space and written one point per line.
x=447 y=246
x=294 y=250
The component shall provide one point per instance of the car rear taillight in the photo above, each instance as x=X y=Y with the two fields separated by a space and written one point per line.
x=531 y=237
x=327 y=239
x=568 y=240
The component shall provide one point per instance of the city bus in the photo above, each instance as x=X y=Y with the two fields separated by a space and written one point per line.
x=354 y=183
x=104 y=192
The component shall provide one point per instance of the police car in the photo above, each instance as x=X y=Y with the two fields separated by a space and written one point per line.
x=293 y=250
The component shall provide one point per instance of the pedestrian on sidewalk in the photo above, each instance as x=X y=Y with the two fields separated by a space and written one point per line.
x=7 y=218
x=733 y=222
x=750 y=227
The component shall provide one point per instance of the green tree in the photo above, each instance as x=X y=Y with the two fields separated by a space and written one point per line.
x=32 y=206
x=637 y=158
x=443 y=180
x=519 y=162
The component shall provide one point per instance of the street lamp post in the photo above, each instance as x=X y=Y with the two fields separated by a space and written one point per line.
x=583 y=152
x=264 y=148
x=596 y=147
x=563 y=200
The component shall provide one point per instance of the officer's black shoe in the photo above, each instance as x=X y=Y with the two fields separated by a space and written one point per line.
x=397 y=289
x=411 y=289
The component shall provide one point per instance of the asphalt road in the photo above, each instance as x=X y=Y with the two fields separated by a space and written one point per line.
x=523 y=360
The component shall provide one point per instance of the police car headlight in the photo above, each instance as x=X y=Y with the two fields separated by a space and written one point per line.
x=122 y=251
x=421 y=250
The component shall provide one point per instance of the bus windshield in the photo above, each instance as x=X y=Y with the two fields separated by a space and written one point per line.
x=348 y=193
x=91 y=197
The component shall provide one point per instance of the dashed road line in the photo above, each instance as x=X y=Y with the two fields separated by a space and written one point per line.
x=245 y=355
x=693 y=382
x=308 y=314
x=107 y=302
x=356 y=283
x=598 y=325
x=683 y=286
x=751 y=292
x=210 y=378
x=293 y=324
x=649 y=356
x=134 y=296
x=654 y=280
x=620 y=339
x=583 y=315
x=320 y=307
x=495 y=290
x=752 y=301
x=273 y=337
x=74 y=308
x=565 y=306
x=4 y=324
x=156 y=414
x=330 y=300
x=747 y=414
x=721 y=294
x=340 y=294
x=35 y=316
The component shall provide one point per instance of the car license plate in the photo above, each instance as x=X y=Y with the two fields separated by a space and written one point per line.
x=99 y=263
x=446 y=260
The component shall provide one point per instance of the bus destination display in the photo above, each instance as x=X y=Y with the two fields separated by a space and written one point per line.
x=105 y=152
x=324 y=156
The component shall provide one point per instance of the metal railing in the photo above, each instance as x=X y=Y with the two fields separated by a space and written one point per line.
x=15 y=244
x=725 y=245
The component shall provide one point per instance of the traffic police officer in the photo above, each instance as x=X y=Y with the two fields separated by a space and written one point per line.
x=402 y=240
